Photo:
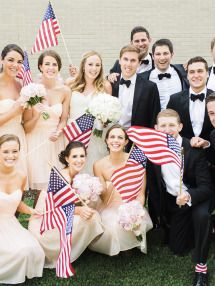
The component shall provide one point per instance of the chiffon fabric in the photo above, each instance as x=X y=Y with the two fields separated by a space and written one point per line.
x=20 y=253
x=43 y=153
x=97 y=148
x=14 y=126
x=83 y=233
x=115 y=238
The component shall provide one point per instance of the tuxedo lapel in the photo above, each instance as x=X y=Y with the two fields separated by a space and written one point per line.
x=206 y=121
x=137 y=94
x=186 y=111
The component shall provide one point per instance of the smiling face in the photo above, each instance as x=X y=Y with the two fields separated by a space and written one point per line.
x=197 y=76
x=76 y=159
x=9 y=153
x=49 y=67
x=169 y=125
x=92 y=67
x=162 y=57
x=141 y=41
x=129 y=63
x=116 y=140
x=12 y=63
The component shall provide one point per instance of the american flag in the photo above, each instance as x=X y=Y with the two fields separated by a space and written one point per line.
x=48 y=31
x=59 y=207
x=128 y=179
x=160 y=148
x=80 y=129
x=64 y=221
x=25 y=73
x=59 y=193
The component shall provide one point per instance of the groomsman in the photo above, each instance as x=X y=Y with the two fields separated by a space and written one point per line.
x=186 y=212
x=169 y=78
x=139 y=97
x=190 y=104
x=140 y=38
x=210 y=103
x=211 y=80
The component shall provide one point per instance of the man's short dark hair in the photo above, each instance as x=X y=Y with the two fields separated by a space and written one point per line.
x=210 y=97
x=197 y=59
x=162 y=42
x=139 y=29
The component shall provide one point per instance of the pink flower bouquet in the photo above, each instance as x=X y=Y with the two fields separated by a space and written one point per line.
x=130 y=216
x=87 y=187
x=32 y=94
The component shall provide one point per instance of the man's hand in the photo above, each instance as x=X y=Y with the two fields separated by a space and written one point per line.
x=113 y=77
x=183 y=199
x=198 y=142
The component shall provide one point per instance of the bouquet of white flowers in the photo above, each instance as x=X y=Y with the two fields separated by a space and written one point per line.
x=130 y=216
x=106 y=109
x=32 y=94
x=87 y=187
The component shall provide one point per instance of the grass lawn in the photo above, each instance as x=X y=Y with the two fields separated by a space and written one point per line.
x=158 y=267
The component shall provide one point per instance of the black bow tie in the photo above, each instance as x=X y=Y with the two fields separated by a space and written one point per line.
x=162 y=75
x=200 y=96
x=214 y=70
x=145 y=62
x=126 y=82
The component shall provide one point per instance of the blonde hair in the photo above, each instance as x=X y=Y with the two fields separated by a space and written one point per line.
x=79 y=82
x=130 y=49
x=168 y=113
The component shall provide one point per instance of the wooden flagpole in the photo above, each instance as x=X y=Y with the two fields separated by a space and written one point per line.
x=181 y=171
x=64 y=42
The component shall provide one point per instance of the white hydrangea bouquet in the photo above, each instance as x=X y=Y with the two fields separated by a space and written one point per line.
x=32 y=94
x=87 y=187
x=106 y=109
x=130 y=216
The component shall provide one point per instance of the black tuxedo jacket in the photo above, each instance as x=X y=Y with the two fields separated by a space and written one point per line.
x=212 y=139
x=180 y=71
x=196 y=177
x=180 y=103
x=116 y=67
x=146 y=102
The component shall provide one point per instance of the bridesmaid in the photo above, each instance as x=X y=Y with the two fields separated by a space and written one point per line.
x=44 y=137
x=86 y=223
x=21 y=254
x=10 y=106
x=115 y=238
x=89 y=83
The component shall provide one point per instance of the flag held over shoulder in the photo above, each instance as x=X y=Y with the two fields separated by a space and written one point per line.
x=128 y=179
x=48 y=31
x=160 y=148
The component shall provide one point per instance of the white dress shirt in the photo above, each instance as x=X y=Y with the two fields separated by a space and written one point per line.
x=166 y=86
x=211 y=80
x=171 y=175
x=126 y=96
x=197 y=112
x=143 y=67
